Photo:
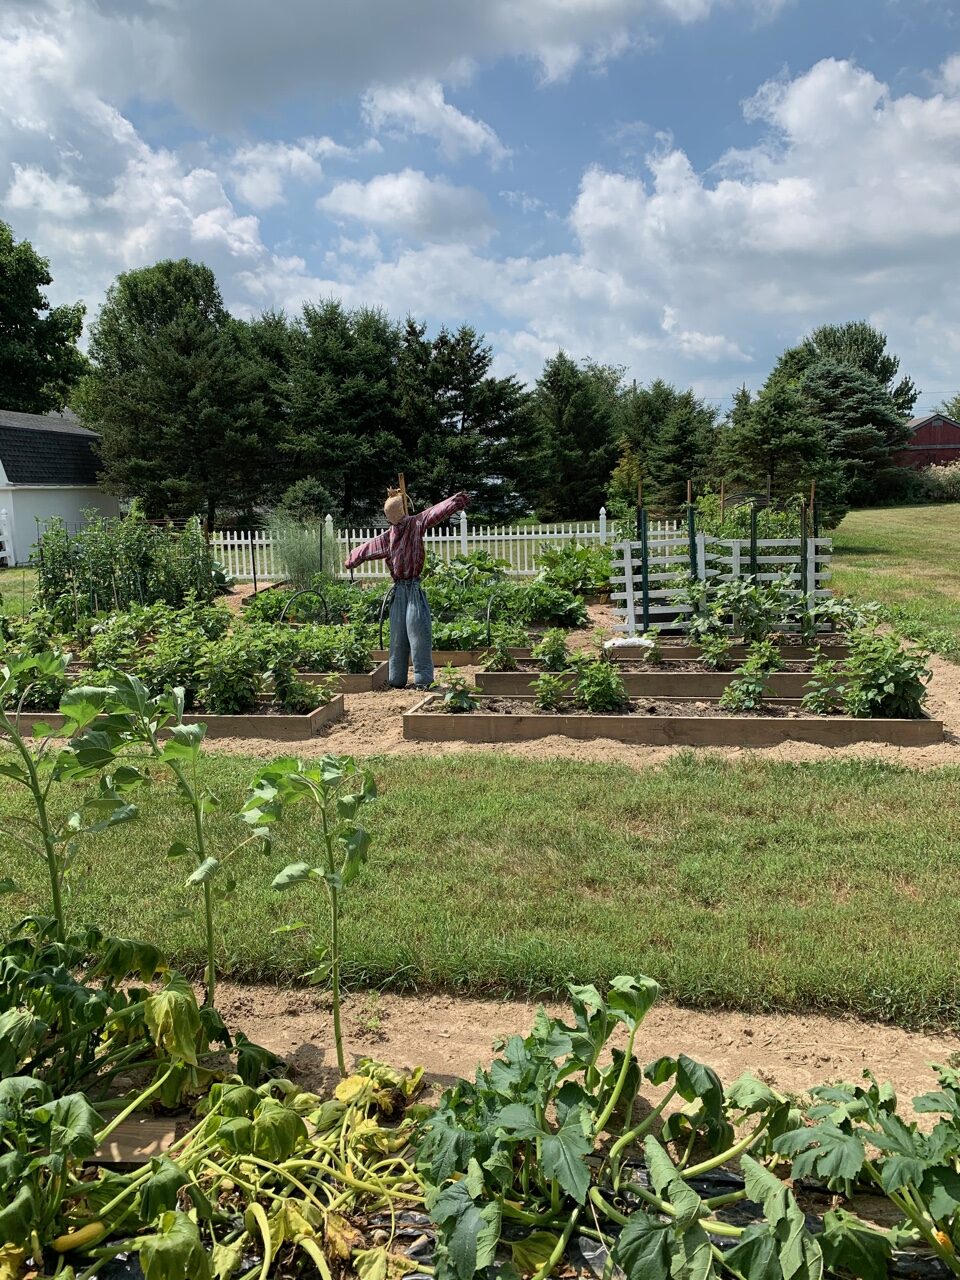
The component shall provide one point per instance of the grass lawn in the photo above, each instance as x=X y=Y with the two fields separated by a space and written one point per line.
x=16 y=590
x=754 y=885
x=908 y=558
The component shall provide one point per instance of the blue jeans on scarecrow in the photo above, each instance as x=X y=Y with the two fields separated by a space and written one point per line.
x=411 y=635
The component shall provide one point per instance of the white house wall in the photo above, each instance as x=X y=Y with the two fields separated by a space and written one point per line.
x=25 y=505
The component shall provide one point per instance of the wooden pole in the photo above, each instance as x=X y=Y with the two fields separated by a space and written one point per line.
x=689 y=493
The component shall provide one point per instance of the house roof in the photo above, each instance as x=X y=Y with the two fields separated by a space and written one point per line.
x=47 y=449
x=916 y=423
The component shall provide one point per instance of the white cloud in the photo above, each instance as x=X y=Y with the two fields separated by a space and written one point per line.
x=221 y=60
x=420 y=107
x=414 y=205
x=34 y=189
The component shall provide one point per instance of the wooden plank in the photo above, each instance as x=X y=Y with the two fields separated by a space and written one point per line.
x=137 y=1140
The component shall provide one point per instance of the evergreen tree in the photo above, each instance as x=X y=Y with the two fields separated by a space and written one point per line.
x=861 y=423
x=680 y=451
x=39 y=359
x=855 y=343
x=574 y=411
x=344 y=427
x=465 y=428
x=177 y=395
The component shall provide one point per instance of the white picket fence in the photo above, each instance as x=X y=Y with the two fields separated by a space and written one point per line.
x=716 y=559
x=241 y=553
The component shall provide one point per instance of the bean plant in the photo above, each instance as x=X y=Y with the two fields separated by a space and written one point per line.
x=551 y=692
x=552 y=653
x=337 y=788
x=600 y=688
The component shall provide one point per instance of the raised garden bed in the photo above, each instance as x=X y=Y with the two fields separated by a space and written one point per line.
x=350 y=681
x=652 y=682
x=267 y=724
x=675 y=723
x=457 y=657
x=682 y=651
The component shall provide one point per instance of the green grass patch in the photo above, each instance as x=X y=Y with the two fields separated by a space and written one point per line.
x=750 y=885
x=17 y=587
x=907 y=558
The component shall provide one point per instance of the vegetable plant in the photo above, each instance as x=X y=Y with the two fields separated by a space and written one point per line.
x=652 y=647
x=519 y=1158
x=599 y=687
x=498 y=657
x=758 y=609
x=37 y=769
x=825 y=689
x=577 y=567
x=552 y=653
x=715 y=651
x=551 y=691
x=884 y=679
x=747 y=690
x=459 y=695
x=337 y=788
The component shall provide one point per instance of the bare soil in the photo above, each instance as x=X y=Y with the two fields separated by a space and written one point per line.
x=448 y=1035
x=638 y=707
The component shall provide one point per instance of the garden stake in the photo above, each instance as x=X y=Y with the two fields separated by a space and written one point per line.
x=753 y=540
x=644 y=567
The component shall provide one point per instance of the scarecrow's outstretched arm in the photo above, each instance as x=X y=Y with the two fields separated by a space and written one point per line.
x=443 y=510
x=375 y=549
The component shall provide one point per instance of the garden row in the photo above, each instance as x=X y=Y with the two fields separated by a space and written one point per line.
x=567 y=1154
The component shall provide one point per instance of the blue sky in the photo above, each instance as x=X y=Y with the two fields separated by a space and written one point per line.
x=680 y=187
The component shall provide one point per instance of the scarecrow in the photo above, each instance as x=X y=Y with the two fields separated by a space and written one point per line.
x=411 y=629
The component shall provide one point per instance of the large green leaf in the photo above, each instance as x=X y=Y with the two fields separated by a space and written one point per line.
x=20 y=1036
x=824 y=1151
x=175 y=1251
x=799 y=1253
x=940 y=1189
x=17 y=1216
x=630 y=999
x=469 y=1233
x=72 y=1125
x=159 y=1194
x=756 y=1255
x=644 y=1248
x=82 y=704
x=563 y=1156
x=173 y=1019
x=292 y=875
x=277 y=1131
x=850 y=1248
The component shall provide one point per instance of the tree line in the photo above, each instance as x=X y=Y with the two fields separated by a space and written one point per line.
x=202 y=412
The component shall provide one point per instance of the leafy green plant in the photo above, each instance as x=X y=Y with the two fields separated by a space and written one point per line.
x=765 y=655
x=517 y=1158
x=578 y=567
x=699 y=596
x=552 y=653
x=600 y=688
x=230 y=674
x=459 y=693
x=37 y=768
x=747 y=690
x=551 y=692
x=758 y=609
x=825 y=691
x=295 y=696
x=337 y=788
x=352 y=651
x=715 y=651
x=652 y=647
x=499 y=657
x=855 y=1138
x=883 y=679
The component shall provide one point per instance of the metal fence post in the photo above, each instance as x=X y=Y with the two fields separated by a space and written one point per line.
x=645 y=568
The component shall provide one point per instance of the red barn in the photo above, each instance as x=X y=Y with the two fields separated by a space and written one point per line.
x=936 y=439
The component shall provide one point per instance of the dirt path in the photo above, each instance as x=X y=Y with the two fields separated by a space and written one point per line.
x=449 y=1035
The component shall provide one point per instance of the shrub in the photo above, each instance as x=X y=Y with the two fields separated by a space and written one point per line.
x=599 y=687
x=942 y=483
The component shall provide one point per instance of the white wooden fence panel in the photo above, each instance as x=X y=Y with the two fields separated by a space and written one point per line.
x=717 y=559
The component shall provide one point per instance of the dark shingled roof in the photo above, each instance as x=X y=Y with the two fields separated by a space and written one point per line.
x=48 y=448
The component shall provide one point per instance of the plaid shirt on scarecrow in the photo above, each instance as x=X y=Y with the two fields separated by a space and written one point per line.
x=402 y=544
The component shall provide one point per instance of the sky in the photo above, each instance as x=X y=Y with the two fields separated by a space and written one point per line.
x=679 y=187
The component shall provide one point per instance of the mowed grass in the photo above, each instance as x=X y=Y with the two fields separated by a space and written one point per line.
x=908 y=558
x=749 y=885
x=17 y=587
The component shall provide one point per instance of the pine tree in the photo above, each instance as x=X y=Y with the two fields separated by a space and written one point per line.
x=680 y=451
x=574 y=410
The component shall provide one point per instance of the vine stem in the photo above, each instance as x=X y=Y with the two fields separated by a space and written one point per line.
x=334 y=901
